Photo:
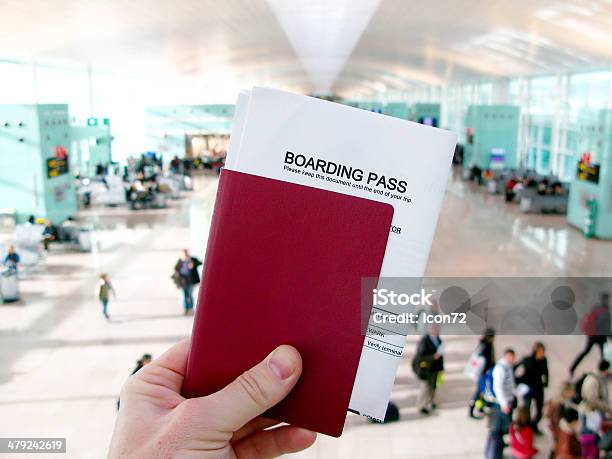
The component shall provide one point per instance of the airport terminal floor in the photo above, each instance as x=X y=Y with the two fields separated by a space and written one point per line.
x=62 y=364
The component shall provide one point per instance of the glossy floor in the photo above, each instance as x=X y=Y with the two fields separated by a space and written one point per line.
x=62 y=365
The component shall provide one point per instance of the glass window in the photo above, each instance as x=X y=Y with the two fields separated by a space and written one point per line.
x=547 y=135
x=589 y=90
x=569 y=167
x=543 y=162
x=16 y=83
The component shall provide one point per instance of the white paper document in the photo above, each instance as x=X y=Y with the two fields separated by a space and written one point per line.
x=326 y=145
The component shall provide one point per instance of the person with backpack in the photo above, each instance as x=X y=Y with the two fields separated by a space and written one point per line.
x=535 y=376
x=103 y=291
x=484 y=357
x=596 y=325
x=427 y=365
x=500 y=387
x=186 y=276
x=521 y=435
x=593 y=388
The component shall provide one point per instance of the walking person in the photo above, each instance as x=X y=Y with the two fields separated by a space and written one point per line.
x=186 y=276
x=535 y=376
x=596 y=325
x=103 y=291
x=427 y=364
x=503 y=387
x=485 y=353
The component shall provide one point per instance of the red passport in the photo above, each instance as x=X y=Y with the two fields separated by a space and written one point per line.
x=283 y=265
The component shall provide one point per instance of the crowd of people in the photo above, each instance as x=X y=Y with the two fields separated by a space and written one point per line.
x=510 y=393
x=544 y=187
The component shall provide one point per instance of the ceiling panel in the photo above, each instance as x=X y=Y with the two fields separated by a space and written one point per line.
x=342 y=46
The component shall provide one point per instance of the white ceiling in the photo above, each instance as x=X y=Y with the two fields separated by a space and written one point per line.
x=344 y=46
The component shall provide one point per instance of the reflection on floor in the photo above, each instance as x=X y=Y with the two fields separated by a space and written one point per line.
x=62 y=365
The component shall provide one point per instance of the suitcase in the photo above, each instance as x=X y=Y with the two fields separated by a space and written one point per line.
x=9 y=287
x=84 y=238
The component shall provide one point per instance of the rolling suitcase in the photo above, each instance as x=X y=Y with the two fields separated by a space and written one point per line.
x=84 y=238
x=9 y=288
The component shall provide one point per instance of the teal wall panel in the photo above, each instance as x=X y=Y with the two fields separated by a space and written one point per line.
x=29 y=136
x=594 y=137
x=397 y=110
x=21 y=172
x=494 y=130
x=60 y=193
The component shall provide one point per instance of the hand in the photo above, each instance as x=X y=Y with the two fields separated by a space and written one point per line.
x=436 y=355
x=156 y=421
x=506 y=409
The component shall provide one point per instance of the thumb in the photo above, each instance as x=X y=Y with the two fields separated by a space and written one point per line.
x=257 y=389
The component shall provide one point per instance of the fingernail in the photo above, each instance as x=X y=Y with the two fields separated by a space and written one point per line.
x=282 y=362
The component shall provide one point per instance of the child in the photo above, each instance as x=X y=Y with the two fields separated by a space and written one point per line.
x=103 y=292
x=521 y=435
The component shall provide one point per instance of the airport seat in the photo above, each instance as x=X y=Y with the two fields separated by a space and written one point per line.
x=532 y=202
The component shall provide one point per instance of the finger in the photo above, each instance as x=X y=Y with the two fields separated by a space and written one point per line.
x=259 y=423
x=256 y=390
x=274 y=442
x=169 y=368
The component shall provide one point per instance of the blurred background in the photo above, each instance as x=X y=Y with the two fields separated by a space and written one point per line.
x=115 y=120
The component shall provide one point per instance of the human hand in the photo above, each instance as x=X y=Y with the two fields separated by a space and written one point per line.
x=506 y=409
x=155 y=420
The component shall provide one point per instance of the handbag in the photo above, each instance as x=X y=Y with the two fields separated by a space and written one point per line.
x=475 y=365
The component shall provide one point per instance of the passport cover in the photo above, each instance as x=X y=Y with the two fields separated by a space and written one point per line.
x=283 y=265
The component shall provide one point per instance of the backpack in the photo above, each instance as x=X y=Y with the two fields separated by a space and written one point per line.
x=589 y=322
x=103 y=291
x=474 y=367
x=486 y=386
x=392 y=413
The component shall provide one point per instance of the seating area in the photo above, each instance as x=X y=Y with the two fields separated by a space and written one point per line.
x=533 y=192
